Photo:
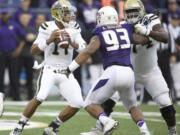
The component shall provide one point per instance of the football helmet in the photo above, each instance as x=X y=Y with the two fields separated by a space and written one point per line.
x=107 y=16
x=61 y=11
x=133 y=11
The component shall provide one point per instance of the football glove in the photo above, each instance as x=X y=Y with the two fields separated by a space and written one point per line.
x=142 y=29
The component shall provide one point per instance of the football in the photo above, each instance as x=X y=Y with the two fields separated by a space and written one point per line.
x=62 y=40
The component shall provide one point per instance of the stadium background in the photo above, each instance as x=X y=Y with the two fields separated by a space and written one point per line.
x=18 y=79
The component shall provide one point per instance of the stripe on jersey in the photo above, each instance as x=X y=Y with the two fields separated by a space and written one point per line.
x=44 y=26
x=76 y=26
x=101 y=83
x=38 y=84
x=153 y=17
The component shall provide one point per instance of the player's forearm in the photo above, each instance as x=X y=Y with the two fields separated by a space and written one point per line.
x=139 y=39
x=35 y=50
x=159 y=36
x=82 y=57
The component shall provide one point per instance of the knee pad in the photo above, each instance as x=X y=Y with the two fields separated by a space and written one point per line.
x=163 y=100
x=108 y=106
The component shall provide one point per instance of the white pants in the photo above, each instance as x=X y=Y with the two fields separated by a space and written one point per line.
x=95 y=71
x=156 y=86
x=114 y=78
x=68 y=87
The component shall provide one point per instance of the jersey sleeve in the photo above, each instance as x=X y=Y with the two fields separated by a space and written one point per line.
x=80 y=41
x=154 y=19
x=76 y=26
x=43 y=33
x=96 y=31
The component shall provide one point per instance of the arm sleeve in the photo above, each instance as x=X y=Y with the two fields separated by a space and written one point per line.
x=154 y=20
x=41 y=36
x=80 y=41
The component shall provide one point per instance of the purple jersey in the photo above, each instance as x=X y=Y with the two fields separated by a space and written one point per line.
x=115 y=44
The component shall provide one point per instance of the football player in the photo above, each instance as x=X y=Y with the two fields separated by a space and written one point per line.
x=56 y=39
x=114 y=43
x=144 y=61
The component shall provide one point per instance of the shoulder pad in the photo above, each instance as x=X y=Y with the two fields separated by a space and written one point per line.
x=44 y=26
x=152 y=16
x=76 y=26
x=97 y=30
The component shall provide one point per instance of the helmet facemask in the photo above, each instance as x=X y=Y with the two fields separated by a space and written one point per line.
x=132 y=16
x=66 y=17
x=133 y=11
x=61 y=11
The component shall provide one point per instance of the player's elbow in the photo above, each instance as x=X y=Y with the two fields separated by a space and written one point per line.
x=34 y=50
x=165 y=38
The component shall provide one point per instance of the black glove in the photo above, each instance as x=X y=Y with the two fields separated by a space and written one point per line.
x=66 y=72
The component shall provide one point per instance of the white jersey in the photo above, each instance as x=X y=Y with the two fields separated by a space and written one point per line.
x=144 y=58
x=54 y=55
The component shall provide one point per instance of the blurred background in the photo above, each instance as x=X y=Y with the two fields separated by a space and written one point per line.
x=19 y=23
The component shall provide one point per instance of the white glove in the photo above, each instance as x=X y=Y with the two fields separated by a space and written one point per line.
x=38 y=66
x=142 y=29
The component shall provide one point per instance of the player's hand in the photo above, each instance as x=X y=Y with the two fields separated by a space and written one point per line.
x=66 y=72
x=67 y=36
x=55 y=34
x=142 y=29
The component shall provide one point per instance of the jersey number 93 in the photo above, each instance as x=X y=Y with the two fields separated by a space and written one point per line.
x=111 y=39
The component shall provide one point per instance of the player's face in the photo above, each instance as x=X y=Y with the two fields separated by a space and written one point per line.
x=67 y=16
x=132 y=15
x=4 y=17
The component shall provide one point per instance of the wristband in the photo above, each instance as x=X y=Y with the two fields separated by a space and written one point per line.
x=73 y=66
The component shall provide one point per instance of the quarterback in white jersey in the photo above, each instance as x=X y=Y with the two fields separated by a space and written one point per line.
x=56 y=39
x=144 y=61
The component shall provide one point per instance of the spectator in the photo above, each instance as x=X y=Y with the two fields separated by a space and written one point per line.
x=175 y=69
x=165 y=51
x=39 y=19
x=25 y=58
x=172 y=9
x=10 y=48
x=87 y=14
x=174 y=27
x=24 y=8
x=147 y=6
x=160 y=4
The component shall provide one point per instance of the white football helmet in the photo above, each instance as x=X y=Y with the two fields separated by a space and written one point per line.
x=107 y=16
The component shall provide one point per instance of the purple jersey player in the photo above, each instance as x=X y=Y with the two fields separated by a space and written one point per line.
x=114 y=42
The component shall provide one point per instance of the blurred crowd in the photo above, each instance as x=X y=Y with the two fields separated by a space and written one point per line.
x=19 y=23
